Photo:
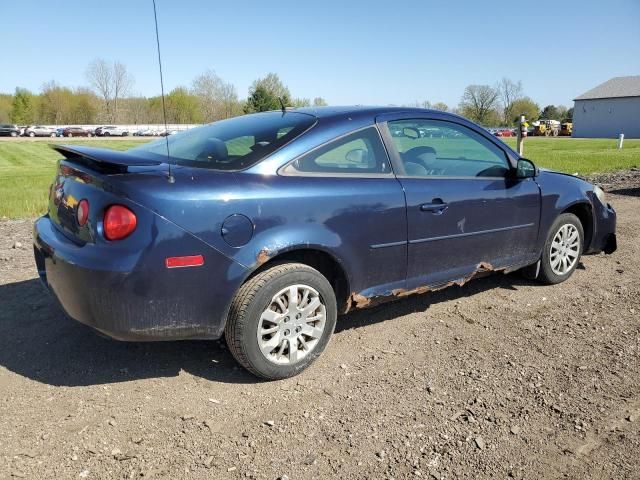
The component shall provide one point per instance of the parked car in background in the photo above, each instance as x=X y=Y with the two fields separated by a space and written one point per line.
x=60 y=132
x=272 y=224
x=9 y=130
x=146 y=132
x=504 y=132
x=111 y=130
x=39 y=131
x=76 y=132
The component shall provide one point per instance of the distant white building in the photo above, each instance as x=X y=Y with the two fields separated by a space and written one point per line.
x=609 y=109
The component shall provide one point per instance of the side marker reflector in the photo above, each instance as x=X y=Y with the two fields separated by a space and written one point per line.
x=188 y=261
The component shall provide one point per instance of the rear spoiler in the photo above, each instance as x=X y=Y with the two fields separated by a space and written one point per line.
x=103 y=159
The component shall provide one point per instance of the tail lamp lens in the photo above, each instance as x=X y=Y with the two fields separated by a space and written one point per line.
x=82 y=212
x=119 y=222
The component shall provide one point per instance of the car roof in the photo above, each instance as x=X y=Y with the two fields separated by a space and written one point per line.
x=359 y=110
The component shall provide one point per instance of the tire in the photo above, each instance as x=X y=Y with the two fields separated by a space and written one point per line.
x=52 y=135
x=548 y=274
x=106 y=134
x=31 y=134
x=13 y=134
x=89 y=135
x=69 y=135
x=256 y=297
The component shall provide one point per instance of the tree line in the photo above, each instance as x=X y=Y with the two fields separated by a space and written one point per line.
x=500 y=105
x=108 y=98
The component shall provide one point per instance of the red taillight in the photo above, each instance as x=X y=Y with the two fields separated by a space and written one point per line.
x=119 y=222
x=188 y=261
x=82 y=212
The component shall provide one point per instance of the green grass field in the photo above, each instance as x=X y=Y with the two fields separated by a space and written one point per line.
x=27 y=167
x=584 y=156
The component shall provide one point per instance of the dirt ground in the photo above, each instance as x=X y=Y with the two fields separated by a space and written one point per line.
x=499 y=378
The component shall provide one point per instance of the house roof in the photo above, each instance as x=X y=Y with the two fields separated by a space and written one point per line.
x=614 y=88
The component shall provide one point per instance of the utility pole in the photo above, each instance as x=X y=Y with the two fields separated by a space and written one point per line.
x=522 y=134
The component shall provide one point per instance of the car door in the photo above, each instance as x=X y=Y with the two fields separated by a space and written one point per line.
x=351 y=191
x=466 y=211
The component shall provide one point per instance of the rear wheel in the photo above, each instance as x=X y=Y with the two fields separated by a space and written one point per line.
x=13 y=134
x=281 y=320
x=52 y=135
x=32 y=134
x=562 y=250
x=69 y=134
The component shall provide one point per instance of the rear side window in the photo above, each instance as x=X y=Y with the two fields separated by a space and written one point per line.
x=233 y=144
x=357 y=153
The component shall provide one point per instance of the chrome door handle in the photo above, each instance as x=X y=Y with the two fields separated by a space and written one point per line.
x=436 y=206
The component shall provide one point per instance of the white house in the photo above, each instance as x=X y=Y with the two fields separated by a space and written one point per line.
x=609 y=109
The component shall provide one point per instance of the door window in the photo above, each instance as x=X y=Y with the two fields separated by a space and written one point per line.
x=446 y=149
x=358 y=153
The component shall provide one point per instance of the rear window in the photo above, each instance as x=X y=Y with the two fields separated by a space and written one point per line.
x=233 y=144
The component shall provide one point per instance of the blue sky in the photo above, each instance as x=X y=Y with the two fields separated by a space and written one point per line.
x=349 y=52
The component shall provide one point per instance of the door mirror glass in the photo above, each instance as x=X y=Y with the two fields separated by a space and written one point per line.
x=526 y=169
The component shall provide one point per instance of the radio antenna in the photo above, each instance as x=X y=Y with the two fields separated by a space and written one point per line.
x=171 y=178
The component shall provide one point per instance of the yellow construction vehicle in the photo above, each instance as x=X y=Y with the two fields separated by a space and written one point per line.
x=566 y=129
x=547 y=128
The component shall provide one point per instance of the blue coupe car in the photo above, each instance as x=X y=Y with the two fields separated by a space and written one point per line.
x=264 y=228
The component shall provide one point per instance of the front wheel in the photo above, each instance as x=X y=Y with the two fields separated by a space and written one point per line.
x=562 y=250
x=281 y=320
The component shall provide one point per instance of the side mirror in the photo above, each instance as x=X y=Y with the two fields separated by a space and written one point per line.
x=410 y=132
x=526 y=169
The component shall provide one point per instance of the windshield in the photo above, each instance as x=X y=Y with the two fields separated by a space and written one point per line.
x=233 y=144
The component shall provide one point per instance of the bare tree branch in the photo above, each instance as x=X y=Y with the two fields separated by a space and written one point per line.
x=509 y=91
x=111 y=82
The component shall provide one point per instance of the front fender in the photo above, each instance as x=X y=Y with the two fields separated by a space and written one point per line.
x=561 y=192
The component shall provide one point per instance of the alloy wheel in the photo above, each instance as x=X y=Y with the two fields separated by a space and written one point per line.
x=292 y=324
x=565 y=249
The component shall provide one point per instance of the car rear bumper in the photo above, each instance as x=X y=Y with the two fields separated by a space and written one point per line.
x=136 y=302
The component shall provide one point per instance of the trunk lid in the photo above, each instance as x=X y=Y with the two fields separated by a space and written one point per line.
x=88 y=173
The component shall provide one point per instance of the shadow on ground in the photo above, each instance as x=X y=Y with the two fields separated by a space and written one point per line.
x=39 y=342
x=631 y=192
